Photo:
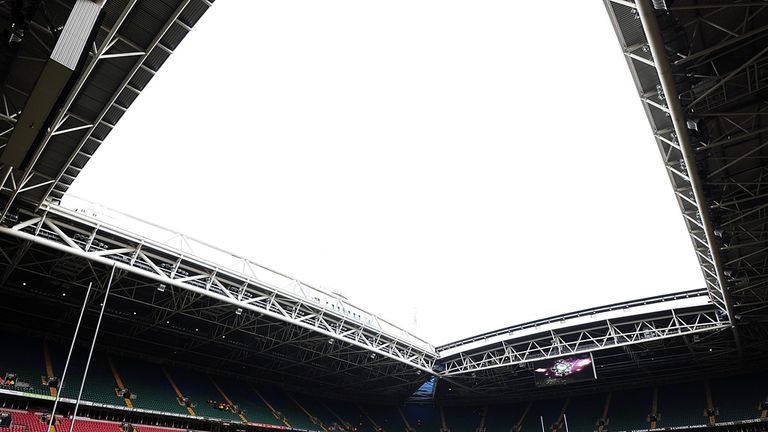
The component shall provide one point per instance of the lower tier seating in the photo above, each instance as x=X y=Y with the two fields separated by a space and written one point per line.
x=36 y=422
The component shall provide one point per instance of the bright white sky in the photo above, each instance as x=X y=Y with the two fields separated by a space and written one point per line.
x=473 y=164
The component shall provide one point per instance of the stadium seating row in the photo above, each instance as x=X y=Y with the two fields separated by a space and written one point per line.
x=132 y=383
x=36 y=422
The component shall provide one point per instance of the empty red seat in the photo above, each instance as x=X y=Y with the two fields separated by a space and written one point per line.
x=31 y=422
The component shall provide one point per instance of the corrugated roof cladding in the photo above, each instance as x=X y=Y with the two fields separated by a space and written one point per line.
x=113 y=81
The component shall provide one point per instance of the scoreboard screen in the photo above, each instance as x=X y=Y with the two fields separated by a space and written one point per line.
x=564 y=370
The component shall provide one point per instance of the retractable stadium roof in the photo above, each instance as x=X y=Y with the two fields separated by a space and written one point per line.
x=700 y=69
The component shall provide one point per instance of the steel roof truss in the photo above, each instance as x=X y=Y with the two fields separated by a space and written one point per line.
x=607 y=334
x=68 y=232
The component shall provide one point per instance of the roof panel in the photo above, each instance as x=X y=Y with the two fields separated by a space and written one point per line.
x=104 y=80
x=126 y=97
x=174 y=36
x=193 y=12
x=101 y=131
x=156 y=58
x=112 y=10
x=113 y=115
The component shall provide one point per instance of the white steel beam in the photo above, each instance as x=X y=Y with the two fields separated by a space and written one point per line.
x=70 y=232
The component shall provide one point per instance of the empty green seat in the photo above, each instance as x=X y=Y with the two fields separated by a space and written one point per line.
x=423 y=418
x=24 y=357
x=199 y=389
x=149 y=384
x=462 y=419
x=682 y=404
x=584 y=411
x=501 y=418
x=739 y=397
x=629 y=409
x=547 y=411
x=386 y=417
x=244 y=395
x=280 y=402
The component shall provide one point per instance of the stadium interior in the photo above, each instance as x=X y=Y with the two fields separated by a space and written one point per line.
x=107 y=327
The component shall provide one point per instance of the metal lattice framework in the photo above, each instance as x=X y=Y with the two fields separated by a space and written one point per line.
x=599 y=335
x=701 y=71
x=685 y=357
x=294 y=303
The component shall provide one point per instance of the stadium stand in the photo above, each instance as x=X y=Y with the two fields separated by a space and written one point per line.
x=30 y=421
x=24 y=359
x=628 y=409
x=547 y=411
x=147 y=382
x=25 y=420
x=282 y=403
x=89 y=425
x=583 y=412
x=199 y=389
x=459 y=419
x=422 y=418
x=682 y=404
x=739 y=397
x=255 y=409
x=502 y=418
x=699 y=68
x=348 y=413
x=316 y=412
x=226 y=402
x=385 y=417
x=100 y=385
